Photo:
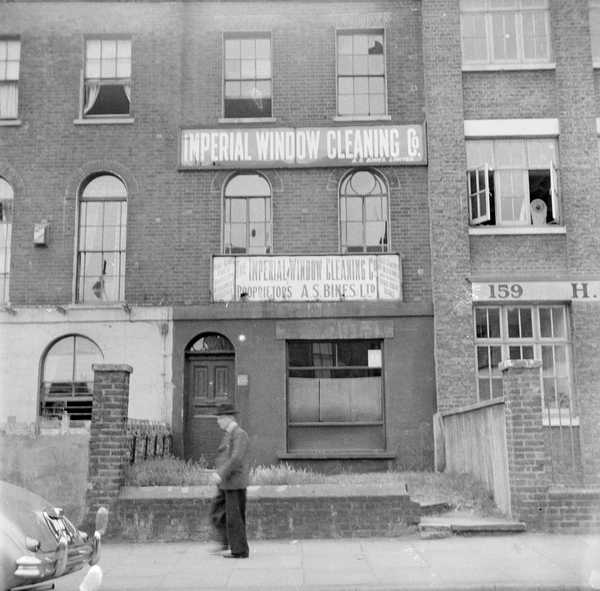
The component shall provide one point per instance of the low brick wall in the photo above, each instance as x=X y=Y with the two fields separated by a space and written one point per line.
x=571 y=510
x=170 y=514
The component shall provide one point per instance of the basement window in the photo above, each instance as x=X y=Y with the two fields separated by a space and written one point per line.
x=512 y=182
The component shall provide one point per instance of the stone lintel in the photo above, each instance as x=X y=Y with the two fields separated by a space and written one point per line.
x=112 y=367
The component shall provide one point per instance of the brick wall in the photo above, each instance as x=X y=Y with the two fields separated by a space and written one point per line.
x=573 y=511
x=109 y=452
x=268 y=517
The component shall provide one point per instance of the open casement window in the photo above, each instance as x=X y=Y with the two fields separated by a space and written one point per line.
x=6 y=206
x=478 y=181
x=68 y=378
x=107 y=78
x=247 y=215
x=512 y=182
x=10 y=52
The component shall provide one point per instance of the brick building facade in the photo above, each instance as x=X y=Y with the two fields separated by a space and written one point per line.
x=161 y=194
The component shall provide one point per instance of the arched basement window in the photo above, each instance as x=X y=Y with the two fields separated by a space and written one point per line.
x=68 y=378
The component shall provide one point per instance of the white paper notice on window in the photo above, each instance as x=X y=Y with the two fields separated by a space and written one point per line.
x=374 y=357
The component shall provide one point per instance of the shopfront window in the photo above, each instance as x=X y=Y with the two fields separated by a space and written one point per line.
x=335 y=384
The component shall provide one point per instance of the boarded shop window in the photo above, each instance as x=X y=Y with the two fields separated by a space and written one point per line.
x=503 y=32
x=247 y=76
x=68 y=378
x=363 y=213
x=10 y=55
x=334 y=381
x=361 y=82
x=102 y=240
x=525 y=332
x=513 y=182
x=247 y=215
x=107 y=78
x=6 y=208
x=595 y=30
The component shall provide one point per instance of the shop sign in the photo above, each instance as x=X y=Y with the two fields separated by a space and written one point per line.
x=307 y=278
x=514 y=291
x=307 y=146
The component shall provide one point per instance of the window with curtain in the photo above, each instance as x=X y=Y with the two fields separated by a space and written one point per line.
x=505 y=31
x=247 y=76
x=68 y=378
x=10 y=55
x=6 y=208
x=107 y=78
x=363 y=213
x=247 y=215
x=361 y=84
x=102 y=240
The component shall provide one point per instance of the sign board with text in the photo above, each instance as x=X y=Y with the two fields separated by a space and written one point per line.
x=552 y=291
x=318 y=278
x=272 y=147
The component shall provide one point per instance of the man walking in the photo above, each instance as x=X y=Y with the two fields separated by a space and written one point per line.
x=228 y=511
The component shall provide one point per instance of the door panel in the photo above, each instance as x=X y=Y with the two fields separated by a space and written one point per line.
x=209 y=381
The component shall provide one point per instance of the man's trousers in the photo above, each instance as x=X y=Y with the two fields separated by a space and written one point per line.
x=228 y=517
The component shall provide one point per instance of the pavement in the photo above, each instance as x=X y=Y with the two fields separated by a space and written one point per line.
x=523 y=562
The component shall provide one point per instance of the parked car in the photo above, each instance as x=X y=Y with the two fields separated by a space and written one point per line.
x=38 y=543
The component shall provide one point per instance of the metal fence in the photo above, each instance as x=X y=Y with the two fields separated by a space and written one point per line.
x=148 y=439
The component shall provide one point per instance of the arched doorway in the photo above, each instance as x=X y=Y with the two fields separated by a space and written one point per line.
x=209 y=380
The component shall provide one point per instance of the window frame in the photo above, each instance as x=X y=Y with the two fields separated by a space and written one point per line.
x=380 y=422
x=245 y=35
x=536 y=341
x=6 y=222
x=520 y=61
x=493 y=199
x=123 y=81
x=361 y=116
x=594 y=7
x=8 y=82
x=80 y=252
x=228 y=248
x=366 y=248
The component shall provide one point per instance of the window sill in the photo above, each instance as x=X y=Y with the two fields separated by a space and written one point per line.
x=362 y=118
x=105 y=121
x=336 y=424
x=500 y=230
x=10 y=122
x=507 y=67
x=247 y=120
x=596 y=64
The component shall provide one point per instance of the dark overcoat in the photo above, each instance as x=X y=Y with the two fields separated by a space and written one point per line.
x=232 y=461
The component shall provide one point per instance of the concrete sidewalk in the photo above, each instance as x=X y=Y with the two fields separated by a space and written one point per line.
x=522 y=561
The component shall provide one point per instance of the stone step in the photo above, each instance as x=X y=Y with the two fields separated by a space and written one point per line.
x=445 y=525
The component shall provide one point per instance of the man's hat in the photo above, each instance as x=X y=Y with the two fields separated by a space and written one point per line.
x=225 y=408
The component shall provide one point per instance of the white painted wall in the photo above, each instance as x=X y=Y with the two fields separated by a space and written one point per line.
x=140 y=337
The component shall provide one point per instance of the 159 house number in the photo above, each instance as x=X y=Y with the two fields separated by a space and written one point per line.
x=504 y=291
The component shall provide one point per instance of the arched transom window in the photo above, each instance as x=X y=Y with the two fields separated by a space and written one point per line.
x=6 y=207
x=102 y=239
x=363 y=213
x=247 y=216
x=68 y=378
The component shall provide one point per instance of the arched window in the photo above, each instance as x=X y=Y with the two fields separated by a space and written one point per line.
x=68 y=379
x=363 y=213
x=247 y=216
x=6 y=207
x=102 y=237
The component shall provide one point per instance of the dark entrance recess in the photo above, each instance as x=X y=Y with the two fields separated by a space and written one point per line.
x=209 y=371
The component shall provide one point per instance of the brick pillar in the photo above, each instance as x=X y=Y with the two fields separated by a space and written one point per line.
x=108 y=438
x=528 y=465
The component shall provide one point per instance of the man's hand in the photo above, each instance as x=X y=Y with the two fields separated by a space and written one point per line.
x=216 y=479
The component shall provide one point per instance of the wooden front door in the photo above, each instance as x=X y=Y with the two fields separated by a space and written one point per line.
x=209 y=381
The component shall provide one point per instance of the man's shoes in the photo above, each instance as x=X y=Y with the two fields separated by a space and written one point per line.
x=230 y=554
